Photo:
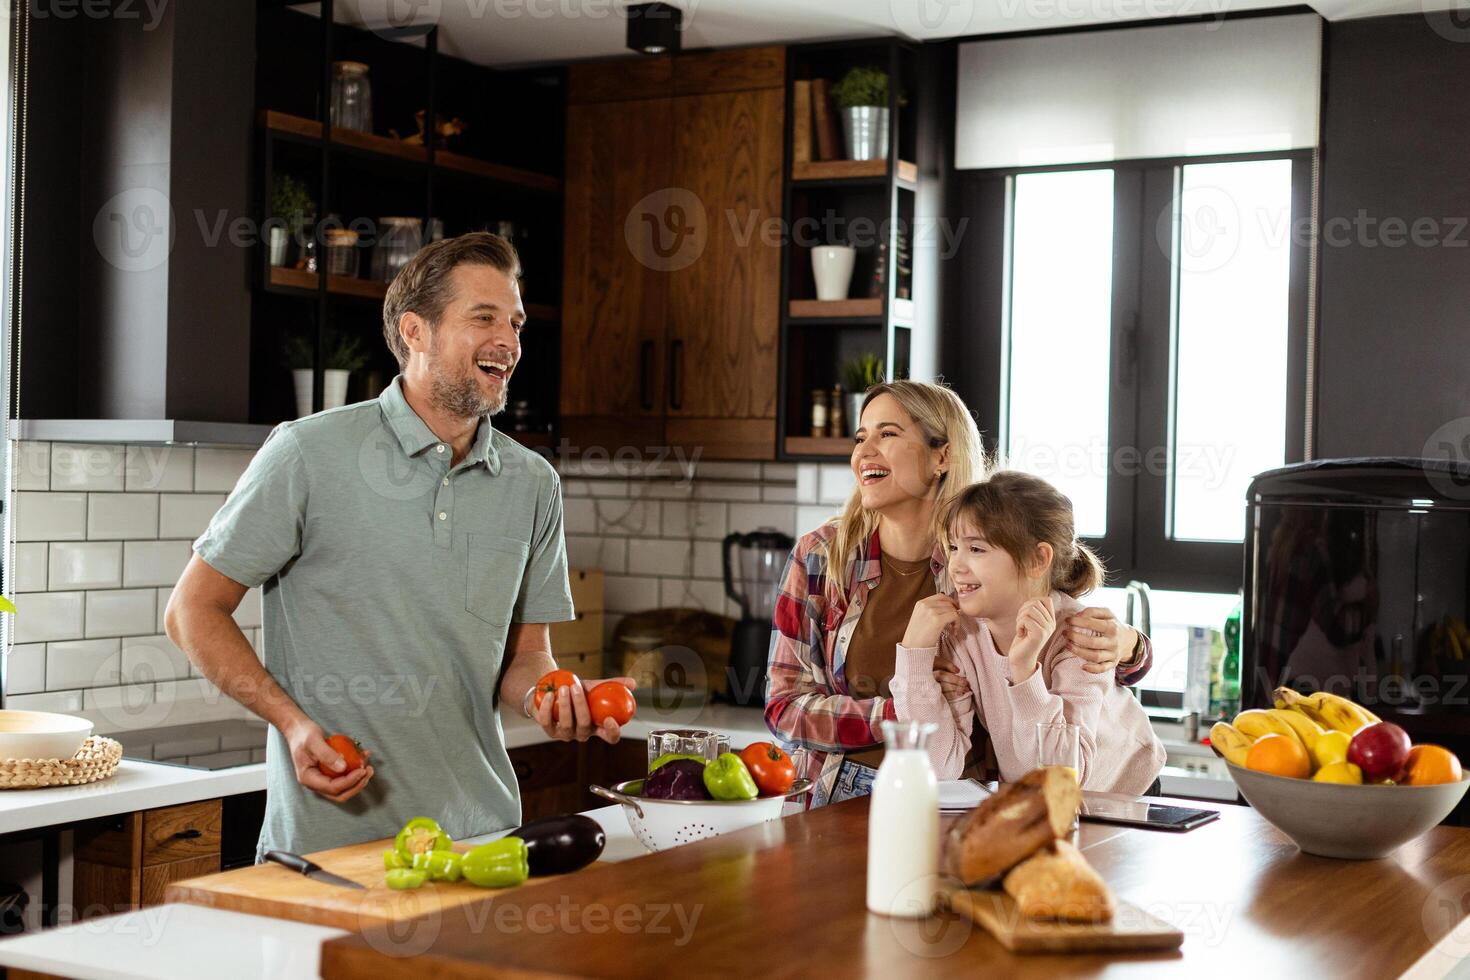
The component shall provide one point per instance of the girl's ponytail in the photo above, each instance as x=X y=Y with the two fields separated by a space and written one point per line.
x=1082 y=574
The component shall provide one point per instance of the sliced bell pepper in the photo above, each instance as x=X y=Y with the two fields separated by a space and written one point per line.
x=727 y=778
x=392 y=859
x=441 y=865
x=498 y=864
x=418 y=835
x=402 y=879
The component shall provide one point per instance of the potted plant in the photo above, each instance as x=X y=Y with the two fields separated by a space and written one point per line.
x=858 y=375
x=290 y=206
x=341 y=356
x=862 y=95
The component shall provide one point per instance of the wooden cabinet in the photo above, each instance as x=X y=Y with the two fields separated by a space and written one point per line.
x=672 y=270
x=554 y=776
x=124 y=862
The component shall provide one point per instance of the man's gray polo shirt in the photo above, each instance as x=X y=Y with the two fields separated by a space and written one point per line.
x=391 y=581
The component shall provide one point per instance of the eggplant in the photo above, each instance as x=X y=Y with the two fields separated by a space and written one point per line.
x=557 y=845
x=682 y=779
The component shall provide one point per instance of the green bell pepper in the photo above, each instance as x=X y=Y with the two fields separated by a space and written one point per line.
x=668 y=757
x=392 y=859
x=402 y=879
x=441 y=865
x=498 y=864
x=727 y=778
x=418 y=835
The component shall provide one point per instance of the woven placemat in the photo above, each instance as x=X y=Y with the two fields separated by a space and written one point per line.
x=96 y=759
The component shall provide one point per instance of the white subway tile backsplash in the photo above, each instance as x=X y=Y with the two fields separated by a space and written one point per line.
x=654 y=556
x=579 y=515
x=82 y=664
x=778 y=472
x=622 y=518
x=218 y=470
x=186 y=515
x=63 y=701
x=727 y=491
x=625 y=594
x=709 y=560
x=696 y=519
x=248 y=613
x=163 y=596
x=729 y=471
x=748 y=517
x=154 y=562
x=608 y=488
x=835 y=483
x=778 y=495
x=806 y=483
x=811 y=517
x=49 y=616
x=188 y=689
x=124 y=706
x=121 y=612
x=82 y=466
x=30 y=467
x=25 y=669
x=663 y=489
x=30 y=567
x=85 y=565
x=590 y=551
x=167 y=469
x=692 y=593
x=50 y=516
x=152 y=658
x=575 y=488
x=115 y=516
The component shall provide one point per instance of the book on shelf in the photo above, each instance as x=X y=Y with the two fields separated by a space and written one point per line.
x=829 y=139
x=801 y=121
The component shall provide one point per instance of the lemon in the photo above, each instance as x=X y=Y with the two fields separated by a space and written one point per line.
x=1339 y=772
x=1330 y=748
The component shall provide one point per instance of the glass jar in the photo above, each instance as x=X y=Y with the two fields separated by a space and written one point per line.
x=341 y=252
x=687 y=741
x=352 y=96
x=398 y=239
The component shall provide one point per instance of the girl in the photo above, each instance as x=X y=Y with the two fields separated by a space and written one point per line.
x=852 y=584
x=1016 y=567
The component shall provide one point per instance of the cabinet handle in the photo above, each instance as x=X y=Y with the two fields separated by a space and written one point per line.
x=189 y=834
x=645 y=376
x=676 y=375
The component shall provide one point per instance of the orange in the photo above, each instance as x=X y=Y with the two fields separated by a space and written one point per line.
x=1279 y=755
x=1430 y=764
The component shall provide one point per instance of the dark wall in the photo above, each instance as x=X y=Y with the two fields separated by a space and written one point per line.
x=1394 y=324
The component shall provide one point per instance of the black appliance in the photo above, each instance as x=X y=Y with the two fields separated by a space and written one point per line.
x=200 y=745
x=752 y=583
x=1357 y=581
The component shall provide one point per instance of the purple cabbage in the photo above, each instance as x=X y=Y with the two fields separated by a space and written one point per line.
x=682 y=779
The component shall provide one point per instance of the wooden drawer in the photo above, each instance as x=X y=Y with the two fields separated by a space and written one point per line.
x=177 y=833
x=547 y=765
x=157 y=879
x=586 y=586
x=581 y=635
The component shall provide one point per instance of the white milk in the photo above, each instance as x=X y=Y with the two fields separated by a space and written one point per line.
x=903 y=826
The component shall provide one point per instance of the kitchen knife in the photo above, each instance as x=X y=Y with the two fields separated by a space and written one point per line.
x=311 y=869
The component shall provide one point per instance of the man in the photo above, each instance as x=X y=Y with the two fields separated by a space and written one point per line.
x=411 y=557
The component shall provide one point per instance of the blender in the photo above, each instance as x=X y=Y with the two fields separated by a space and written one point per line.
x=751 y=582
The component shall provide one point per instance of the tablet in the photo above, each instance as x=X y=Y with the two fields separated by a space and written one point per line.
x=1142 y=813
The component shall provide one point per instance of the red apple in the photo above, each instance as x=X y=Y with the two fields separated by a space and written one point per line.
x=1379 y=750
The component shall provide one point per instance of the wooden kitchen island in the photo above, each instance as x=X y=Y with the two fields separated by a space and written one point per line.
x=787 y=898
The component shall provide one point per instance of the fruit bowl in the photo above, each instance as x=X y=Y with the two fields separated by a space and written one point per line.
x=1340 y=820
x=662 y=824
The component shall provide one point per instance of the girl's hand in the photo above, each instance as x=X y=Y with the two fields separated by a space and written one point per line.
x=951 y=681
x=930 y=618
x=1096 y=636
x=1035 y=624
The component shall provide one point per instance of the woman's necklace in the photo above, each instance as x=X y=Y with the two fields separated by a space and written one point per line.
x=889 y=566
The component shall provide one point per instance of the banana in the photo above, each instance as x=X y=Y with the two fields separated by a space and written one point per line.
x=1307 y=730
x=1454 y=640
x=1229 y=742
x=1330 y=711
x=1259 y=721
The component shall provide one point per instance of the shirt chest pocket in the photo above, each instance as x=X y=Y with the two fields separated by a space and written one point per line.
x=494 y=568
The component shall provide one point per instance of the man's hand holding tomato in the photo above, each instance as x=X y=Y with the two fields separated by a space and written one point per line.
x=323 y=768
x=567 y=707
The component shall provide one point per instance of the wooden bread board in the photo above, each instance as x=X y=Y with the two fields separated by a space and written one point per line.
x=1131 y=928
x=271 y=890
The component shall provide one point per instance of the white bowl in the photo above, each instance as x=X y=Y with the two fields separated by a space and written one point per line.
x=662 y=824
x=41 y=734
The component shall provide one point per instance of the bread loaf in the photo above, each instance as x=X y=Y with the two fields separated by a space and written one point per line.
x=1058 y=883
x=1018 y=820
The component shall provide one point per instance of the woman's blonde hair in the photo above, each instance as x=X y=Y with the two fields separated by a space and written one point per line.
x=1017 y=511
x=945 y=421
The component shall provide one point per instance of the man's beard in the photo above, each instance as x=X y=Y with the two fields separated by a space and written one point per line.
x=460 y=395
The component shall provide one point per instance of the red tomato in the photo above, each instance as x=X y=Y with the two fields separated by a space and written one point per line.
x=548 y=684
x=611 y=699
x=773 y=770
x=350 y=752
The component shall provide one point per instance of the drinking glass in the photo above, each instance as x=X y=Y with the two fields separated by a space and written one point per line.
x=1058 y=744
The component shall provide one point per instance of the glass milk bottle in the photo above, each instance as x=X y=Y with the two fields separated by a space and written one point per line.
x=903 y=825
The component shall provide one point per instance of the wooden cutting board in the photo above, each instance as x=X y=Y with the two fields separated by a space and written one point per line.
x=269 y=889
x=1131 y=929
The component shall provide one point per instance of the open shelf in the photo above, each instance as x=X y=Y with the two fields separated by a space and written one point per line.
x=837 y=308
x=387 y=147
x=839 y=447
x=812 y=170
x=338 y=285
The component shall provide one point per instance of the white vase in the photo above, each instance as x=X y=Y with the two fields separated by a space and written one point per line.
x=279 y=239
x=832 y=269
x=301 y=378
x=334 y=388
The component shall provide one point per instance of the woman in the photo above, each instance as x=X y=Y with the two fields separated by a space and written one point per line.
x=851 y=586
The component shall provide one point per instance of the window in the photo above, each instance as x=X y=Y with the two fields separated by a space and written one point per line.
x=1174 y=614
x=1151 y=347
